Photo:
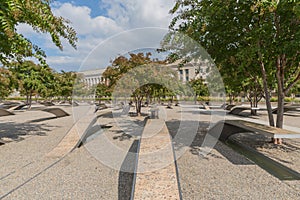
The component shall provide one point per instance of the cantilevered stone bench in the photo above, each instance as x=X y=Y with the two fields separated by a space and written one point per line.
x=47 y=103
x=287 y=109
x=156 y=174
x=58 y=112
x=18 y=107
x=229 y=107
x=238 y=110
x=225 y=128
x=4 y=112
x=76 y=134
x=100 y=107
x=9 y=105
x=205 y=106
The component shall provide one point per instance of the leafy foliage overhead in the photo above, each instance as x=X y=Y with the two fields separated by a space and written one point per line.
x=248 y=35
x=37 y=14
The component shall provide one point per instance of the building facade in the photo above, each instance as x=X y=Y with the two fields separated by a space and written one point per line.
x=191 y=70
x=186 y=73
x=93 y=77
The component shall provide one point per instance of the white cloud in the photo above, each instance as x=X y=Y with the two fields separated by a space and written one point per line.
x=127 y=41
x=137 y=13
x=121 y=15
x=80 y=16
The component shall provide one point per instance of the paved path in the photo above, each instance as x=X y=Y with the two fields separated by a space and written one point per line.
x=156 y=177
x=76 y=134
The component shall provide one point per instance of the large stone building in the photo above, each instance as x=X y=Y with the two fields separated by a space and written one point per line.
x=191 y=70
x=93 y=77
x=186 y=73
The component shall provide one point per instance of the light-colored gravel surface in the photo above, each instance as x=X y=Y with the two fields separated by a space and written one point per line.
x=225 y=174
x=28 y=142
x=27 y=173
x=222 y=174
x=77 y=176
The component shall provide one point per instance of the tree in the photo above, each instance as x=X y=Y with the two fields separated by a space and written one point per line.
x=37 y=14
x=199 y=87
x=264 y=32
x=50 y=84
x=139 y=77
x=32 y=78
x=121 y=65
x=296 y=90
x=7 y=82
x=102 y=90
x=254 y=92
x=66 y=82
x=143 y=81
x=243 y=78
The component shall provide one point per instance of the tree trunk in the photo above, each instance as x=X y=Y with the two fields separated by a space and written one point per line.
x=266 y=91
x=30 y=100
x=280 y=63
x=254 y=104
x=27 y=98
x=280 y=110
x=139 y=111
x=231 y=98
x=138 y=105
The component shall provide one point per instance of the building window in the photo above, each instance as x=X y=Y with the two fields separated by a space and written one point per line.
x=186 y=74
x=181 y=74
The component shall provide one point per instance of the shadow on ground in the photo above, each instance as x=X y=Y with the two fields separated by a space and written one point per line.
x=42 y=119
x=11 y=131
x=128 y=126
x=126 y=174
x=195 y=144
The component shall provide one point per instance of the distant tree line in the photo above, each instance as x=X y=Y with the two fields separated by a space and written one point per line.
x=32 y=80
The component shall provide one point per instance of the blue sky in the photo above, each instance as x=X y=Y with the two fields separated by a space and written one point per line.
x=106 y=29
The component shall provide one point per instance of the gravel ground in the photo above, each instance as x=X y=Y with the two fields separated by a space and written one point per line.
x=225 y=174
x=86 y=173
x=28 y=142
x=26 y=173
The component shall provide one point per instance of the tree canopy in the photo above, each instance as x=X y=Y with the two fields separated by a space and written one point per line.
x=40 y=80
x=37 y=14
x=263 y=35
x=32 y=78
x=140 y=77
x=7 y=82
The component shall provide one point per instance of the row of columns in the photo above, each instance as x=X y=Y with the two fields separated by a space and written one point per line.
x=94 y=81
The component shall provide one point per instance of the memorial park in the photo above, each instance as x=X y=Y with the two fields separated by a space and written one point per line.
x=211 y=111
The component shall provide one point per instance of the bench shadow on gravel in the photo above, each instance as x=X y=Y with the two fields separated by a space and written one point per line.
x=197 y=143
x=126 y=173
x=126 y=126
x=42 y=119
x=128 y=167
x=14 y=131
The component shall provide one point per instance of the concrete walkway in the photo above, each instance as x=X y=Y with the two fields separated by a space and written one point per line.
x=156 y=172
x=76 y=134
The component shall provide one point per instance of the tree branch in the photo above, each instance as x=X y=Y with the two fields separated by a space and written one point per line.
x=289 y=87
